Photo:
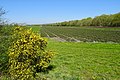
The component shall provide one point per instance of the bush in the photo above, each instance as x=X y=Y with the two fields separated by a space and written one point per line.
x=5 y=42
x=27 y=54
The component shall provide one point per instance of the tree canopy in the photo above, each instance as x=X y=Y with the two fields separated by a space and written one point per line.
x=112 y=20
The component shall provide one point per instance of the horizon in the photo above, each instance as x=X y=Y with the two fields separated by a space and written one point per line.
x=45 y=12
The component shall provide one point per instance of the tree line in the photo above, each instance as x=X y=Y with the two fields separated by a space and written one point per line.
x=112 y=20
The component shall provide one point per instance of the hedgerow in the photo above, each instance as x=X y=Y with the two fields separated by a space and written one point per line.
x=5 y=42
x=27 y=54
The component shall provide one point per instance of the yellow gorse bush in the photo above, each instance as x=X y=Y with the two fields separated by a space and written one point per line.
x=27 y=54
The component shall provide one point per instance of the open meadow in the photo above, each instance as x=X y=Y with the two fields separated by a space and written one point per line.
x=76 y=59
x=59 y=40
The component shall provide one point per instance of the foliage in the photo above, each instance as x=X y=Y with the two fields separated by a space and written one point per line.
x=112 y=20
x=5 y=42
x=27 y=54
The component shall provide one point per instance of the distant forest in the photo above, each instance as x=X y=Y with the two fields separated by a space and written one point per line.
x=112 y=20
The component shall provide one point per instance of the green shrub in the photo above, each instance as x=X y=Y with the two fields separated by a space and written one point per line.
x=27 y=54
x=5 y=42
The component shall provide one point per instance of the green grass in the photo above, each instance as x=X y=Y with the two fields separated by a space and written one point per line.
x=84 y=61
x=35 y=28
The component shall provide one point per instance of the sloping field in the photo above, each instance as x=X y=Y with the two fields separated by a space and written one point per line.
x=84 y=34
x=84 y=61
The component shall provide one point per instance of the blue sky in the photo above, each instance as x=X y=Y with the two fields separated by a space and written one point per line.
x=50 y=11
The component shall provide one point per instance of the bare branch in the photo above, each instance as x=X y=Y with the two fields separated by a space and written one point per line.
x=2 y=11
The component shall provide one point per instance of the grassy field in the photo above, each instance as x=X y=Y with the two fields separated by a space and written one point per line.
x=84 y=61
x=85 y=34
x=35 y=28
x=81 y=60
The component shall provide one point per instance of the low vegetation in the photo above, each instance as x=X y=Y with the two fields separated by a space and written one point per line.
x=35 y=29
x=81 y=60
x=84 y=34
x=25 y=54
x=84 y=61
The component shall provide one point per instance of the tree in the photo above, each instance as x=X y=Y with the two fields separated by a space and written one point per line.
x=2 y=12
x=116 y=20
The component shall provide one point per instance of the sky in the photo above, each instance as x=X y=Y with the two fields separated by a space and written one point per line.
x=51 y=11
